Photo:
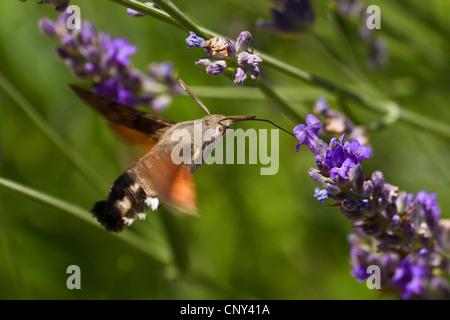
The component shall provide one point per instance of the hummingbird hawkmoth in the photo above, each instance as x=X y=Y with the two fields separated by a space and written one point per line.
x=154 y=179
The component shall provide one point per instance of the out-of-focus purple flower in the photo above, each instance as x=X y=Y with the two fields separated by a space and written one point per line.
x=224 y=54
x=409 y=278
x=119 y=52
x=104 y=61
x=337 y=123
x=321 y=106
x=359 y=271
x=291 y=18
x=343 y=169
x=48 y=27
x=113 y=90
x=338 y=157
x=350 y=8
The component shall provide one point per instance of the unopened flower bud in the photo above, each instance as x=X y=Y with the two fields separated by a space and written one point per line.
x=378 y=182
x=243 y=41
x=217 y=67
x=367 y=189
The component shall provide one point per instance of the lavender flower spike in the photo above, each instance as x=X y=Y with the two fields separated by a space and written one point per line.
x=400 y=233
x=223 y=54
x=94 y=56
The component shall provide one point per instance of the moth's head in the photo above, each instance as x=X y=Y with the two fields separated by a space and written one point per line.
x=220 y=123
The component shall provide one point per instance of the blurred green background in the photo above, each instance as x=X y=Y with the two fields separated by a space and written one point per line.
x=257 y=237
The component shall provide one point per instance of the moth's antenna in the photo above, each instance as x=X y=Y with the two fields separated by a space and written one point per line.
x=252 y=117
x=189 y=92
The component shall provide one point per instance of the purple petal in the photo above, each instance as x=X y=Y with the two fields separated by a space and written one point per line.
x=239 y=76
x=307 y=135
x=194 y=41
x=343 y=170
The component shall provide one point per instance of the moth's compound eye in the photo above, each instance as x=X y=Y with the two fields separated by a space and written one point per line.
x=220 y=129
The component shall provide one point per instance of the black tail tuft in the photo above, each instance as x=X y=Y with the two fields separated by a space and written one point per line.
x=125 y=202
x=108 y=216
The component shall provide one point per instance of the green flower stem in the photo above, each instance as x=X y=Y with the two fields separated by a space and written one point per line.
x=157 y=254
x=412 y=118
x=83 y=167
x=356 y=74
x=301 y=94
x=149 y=11
x=179 y=16
x=176 y=239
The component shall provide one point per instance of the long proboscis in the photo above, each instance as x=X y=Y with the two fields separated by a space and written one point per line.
x=252 y=117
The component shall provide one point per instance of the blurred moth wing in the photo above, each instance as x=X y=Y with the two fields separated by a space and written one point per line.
x=152 y=180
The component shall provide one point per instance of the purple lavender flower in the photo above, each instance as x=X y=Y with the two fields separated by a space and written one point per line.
x=338 y=157
x=355 y=151
x=194 y=41
x=307 y=135
x=223 y=54
x=96 y=57
x=400 y=233
x=409 y=278
x=113 y=90
x=290 y=17
x=362 y=256
x=350 y=8
x=118 y=52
